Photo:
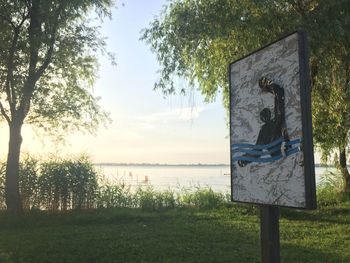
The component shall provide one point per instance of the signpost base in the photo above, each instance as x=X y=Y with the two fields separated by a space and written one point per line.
x=269 y=234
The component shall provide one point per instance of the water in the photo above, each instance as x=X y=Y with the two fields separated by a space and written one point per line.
x=163 y=177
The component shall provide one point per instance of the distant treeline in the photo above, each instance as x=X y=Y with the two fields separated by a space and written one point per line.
x=161 y=164
x=182 y=165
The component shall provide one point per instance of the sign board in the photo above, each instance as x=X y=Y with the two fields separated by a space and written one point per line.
x=272 y=159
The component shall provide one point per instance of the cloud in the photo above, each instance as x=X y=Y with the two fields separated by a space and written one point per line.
x=189 y=113
x=182 y=114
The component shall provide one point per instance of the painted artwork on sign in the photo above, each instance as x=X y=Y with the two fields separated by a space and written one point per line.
x=266 y=127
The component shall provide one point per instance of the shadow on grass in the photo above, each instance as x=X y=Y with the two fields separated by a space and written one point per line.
x=301 y=254
x=127 y=235
x=134 y=235
x=337 y=215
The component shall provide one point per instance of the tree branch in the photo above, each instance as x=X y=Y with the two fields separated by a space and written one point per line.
x=47 y=59
x=10 y=65
x=33 y=74
x=49 y=53
x=3 y=112
x=34 y=34
x=9 y=89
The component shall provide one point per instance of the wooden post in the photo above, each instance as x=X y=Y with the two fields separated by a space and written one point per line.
x=269 y=234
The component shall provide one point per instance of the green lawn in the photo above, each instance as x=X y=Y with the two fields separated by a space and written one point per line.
x=175 y=235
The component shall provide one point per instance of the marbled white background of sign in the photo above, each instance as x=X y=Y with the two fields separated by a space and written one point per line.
x=279 y=182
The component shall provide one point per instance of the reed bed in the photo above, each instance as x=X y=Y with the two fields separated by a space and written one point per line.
x=61 y=184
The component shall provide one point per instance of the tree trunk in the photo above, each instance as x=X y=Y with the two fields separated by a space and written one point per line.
x=344 y=169
x=13 y=199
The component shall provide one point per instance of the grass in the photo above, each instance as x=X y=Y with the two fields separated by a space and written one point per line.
x=226 y=234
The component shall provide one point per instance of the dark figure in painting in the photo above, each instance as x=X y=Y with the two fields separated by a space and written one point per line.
x=267 y=85
x=272 y=129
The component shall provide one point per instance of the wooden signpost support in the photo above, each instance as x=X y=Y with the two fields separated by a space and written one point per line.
x=269 y=234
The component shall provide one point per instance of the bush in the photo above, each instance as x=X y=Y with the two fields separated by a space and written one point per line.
x=329 y=189
x=166 y=199
x=202 y=198
x=149 y=199
x=117 y=195
x=145 y=198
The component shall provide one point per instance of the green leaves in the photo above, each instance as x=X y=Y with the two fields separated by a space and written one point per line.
x=47 y=67
x=198 y=39
x=47 y=73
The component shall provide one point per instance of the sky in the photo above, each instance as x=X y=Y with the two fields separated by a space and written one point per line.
x=146 y=127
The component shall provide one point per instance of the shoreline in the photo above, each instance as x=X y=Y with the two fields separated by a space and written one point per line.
x=184 y=165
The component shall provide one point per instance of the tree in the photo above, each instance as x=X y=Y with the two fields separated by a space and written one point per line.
x=47 y=67
x=197 y=40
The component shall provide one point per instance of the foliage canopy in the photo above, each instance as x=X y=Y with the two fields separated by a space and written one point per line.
x=197 y=40
x=48 y=63
x=47 y=68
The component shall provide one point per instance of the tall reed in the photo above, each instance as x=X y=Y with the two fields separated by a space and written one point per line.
x=63 y=184
x=55 y=184
x=202 y=197
x=68 y=184
x=29 y=182
x=118 y=194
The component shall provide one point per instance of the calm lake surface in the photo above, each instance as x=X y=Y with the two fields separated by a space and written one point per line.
x=175 y=177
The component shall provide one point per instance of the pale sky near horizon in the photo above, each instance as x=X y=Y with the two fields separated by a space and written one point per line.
x=146 y=127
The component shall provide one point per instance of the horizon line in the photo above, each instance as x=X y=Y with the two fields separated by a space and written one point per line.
x=160 y=164
x=176 y=164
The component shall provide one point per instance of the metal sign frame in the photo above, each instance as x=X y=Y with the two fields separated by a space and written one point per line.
x=306 y=121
